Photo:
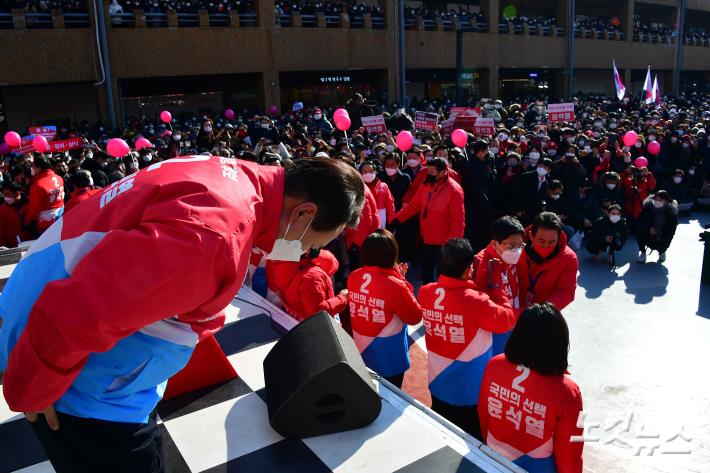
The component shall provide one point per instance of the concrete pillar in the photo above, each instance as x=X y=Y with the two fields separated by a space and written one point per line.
x=320 y=20
x=344 y=20
x=204 y=18
x=269 y=89
x=18 y=19
x=139 y=18
x=367 y=21
x=265 y=13
x=490 y=82
x=561 y=12
x=491 y=10
x=296 y=19
x=172 y=18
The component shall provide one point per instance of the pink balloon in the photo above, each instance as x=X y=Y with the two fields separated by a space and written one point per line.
x=273 y=110
x=630 y=138
x=40 y=144
x=117 y=147
x=459 y=137
x=341 y=112
x=405 y=140
x=641 y=162
x=342 y=123
x=229 y=114
x=12 y=139
x=143 y=143
x=4 y=148
x=165 y=116
x=654 y=147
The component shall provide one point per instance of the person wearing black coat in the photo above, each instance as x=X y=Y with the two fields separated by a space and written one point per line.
x=656 y=225
x=529 y=190
x=608 y=189
x=397 y=181
x=609 y=229
x=478 y=180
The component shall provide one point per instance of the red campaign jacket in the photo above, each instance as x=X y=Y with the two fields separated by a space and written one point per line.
x=46 y=198
x=635 y=195
x=372 y=282
x=305 y=287
x=481 y=311
x=172 y=242
x=441 y=211
x=509 y=276
x=78 y=196
x=529 y=418
x=384 y=200
x=556 y=278
x=369 y=222
x=11 y=225
x=419 y=180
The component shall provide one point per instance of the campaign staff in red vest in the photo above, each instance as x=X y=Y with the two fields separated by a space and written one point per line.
x=529 y=406
x=459 y=318
x=439 y=204
x=547 y=270
x=506 y=246
x=382 y=304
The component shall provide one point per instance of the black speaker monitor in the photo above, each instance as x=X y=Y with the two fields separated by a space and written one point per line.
x=317 y=383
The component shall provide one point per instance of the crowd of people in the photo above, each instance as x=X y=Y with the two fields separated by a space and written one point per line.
x=479 y=242
x=597 y=23
x=352 y=8
x=44 y=6
x=183 y=6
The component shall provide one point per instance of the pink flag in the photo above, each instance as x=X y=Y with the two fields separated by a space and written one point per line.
x=648 y=88
x=620 y=89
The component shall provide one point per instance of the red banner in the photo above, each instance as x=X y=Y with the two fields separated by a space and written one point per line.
x=49 y=132
x=374 y=124
x=65 y=145
x=426 y=121
x=465 y=122
x=467 y=111
x=447 y=126
x=484 y=127
x=25 y=145
x=560 y=112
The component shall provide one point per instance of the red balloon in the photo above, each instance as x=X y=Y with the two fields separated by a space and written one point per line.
x=641 y=162
x=40 y=144
x=143 y=143
x=229 y=114
x=459 y=137
x=12 y=139
x=341 y=112
x=273 y=110
x=630 y=138
x=117 y=147
x=654 y=147
x=405 y=140
x=342 y=123
x=165 y=116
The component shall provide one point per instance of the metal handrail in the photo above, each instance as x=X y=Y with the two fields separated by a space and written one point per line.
x=219 y=19
x=156 y=19
x=378 y=22
x=38 y=20
x=76 y=20
x=248 y=19
x=188 y=19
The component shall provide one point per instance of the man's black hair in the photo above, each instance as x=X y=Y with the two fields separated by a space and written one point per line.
x=505 y=226
x=456 y=255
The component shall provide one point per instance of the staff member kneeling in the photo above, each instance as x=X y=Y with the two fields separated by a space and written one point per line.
x=459 y=318
x=382 y=303
x=548 y=267
x=529 y=406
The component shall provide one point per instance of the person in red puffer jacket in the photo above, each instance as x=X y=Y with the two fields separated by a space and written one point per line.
x=12 y=212
x=505 y=249
x=305 y=287
x=547 y=270
x=46 y=196
x=529 y=408
x=439 y=204
x=380 y=190
x=369 y=222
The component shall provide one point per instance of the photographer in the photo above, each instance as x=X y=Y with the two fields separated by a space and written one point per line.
x=637 y=184
x=657 y=225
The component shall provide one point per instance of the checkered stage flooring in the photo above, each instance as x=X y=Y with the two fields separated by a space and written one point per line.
x=225 y=428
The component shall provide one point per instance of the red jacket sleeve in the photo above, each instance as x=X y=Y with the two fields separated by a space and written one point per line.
x=412 y=208
x=494 y=313
x=568 y=455
x=457 y=221
x=36 y=203
x=566 y=283
x=651 y=182
x=315 y=290
x=406 y=306
x=153 y=273
x=414 y=187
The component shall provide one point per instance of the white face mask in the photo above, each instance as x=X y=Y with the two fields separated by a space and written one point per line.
x=555 y=196
x=686 y=145
x=638 y=144
x=89 y=155
x=493 y=151
x=611 y=187
x=552 y=152
x=691 y=172
x=658 y=204
x=677 y=179
x=615 y=218
x=534 y=155
x=541 y=171
x=390 y=148
x=674 y=140
x=613 y=126
x=511 y=256
x=368 y=177
x=317 y=117
x=391 y=171
x=207 y=129
x=412 y=163
x=288 y=250
x=503 y=137
x=9 y=200
x=651 y=137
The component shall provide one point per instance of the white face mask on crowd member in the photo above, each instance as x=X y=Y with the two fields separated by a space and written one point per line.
x=678 y=179
x=412 y=163
x=534 y=155
x=615 y=218
x=541 y=171
x=611 y=186
x=659 y=203
x=368 y=177
x=390 y=171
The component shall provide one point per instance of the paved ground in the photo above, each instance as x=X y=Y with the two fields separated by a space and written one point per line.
x=640 y=345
